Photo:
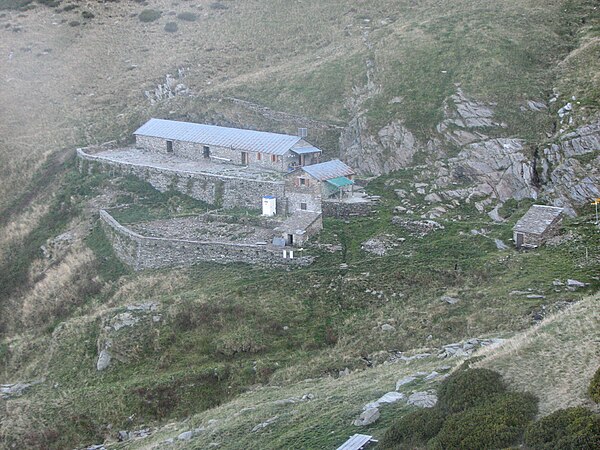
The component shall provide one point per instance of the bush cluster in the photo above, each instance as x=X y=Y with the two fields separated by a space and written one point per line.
x=566 y=429
x=474 y=411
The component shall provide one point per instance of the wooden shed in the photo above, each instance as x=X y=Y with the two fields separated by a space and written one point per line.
x=538 y=224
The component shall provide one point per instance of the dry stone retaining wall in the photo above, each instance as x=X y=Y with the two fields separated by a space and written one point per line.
x=142 y=252
x=219 y=190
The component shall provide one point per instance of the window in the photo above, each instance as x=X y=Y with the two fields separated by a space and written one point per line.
x=273 y=158
x=169 y=146
x=206 y=151
x=258 y=156
x=303 y=181
x=303 y=206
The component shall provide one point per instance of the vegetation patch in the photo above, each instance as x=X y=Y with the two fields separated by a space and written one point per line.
x=171 y=27
x=149 y=15
x=594 y=389
x=469 y=388
x=566 y=429
x=187 y=16
x=414 y=429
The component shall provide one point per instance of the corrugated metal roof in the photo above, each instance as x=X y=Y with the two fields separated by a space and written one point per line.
x=340 y=182
x=538 y=219
x=328 y=170
x=305 y=150
x=238 y=139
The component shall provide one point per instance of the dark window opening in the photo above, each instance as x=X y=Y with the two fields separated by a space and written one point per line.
x=303 y=206
x=206 y=151
x=169 y=146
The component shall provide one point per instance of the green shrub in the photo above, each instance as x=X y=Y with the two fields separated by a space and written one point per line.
x=465 y=389
x=149 y=15
x=171 y=27
x=594 y=388
x=566 y=429
x=87 y=15
x=498 y=423
x=413 y=429
x=187 y=16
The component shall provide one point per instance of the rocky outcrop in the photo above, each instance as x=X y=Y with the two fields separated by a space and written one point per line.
x=571 y=168
x=391 y=148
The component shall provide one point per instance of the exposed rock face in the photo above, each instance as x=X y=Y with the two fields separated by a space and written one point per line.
x=367 y=417
x=393 y=147
x=571 y=168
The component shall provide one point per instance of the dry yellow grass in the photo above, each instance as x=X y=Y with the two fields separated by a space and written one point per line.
x=554 y=360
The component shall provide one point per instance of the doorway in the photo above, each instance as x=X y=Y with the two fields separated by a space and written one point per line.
x=519 y=240
x=169 y=146
x=206 y=151
x=290 y=240
x=244 y=158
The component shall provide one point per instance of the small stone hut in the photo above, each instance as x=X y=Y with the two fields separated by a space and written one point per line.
x=538 y=224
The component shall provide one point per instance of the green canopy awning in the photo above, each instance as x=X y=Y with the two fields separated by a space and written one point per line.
x=340 y=182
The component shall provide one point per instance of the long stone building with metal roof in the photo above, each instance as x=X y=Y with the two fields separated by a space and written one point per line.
x=200 y=142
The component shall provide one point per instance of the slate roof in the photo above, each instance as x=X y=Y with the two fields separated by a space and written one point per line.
x=305 y=150
x=328 y=170
x=236 y=138
x=537 y=219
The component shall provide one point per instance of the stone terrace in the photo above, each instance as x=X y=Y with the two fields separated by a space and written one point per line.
x=143 y=158
x=203 y=230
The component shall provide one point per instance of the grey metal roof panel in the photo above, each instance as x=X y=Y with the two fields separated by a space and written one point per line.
x=250 y=140
x=305 y=150
x=328 y=170
x=538 y=219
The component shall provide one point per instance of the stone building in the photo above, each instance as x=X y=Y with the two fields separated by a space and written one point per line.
x=306 y=187
x=538 y=224
x=199 y=142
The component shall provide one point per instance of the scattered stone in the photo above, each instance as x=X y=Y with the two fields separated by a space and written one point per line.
x=416 y=227
x=433 y=198
x=558 y=283
x=403 y=381
x=431 y=376
x=367 y=417
x=264 y=424
x=500 y=245
x=449 y=300
x=390 y=397
x=387 y=327
x=186 y=436
x=466 y=348
x=344 y=373
x=124 y=320
x=401 y=193
x=399 y=209
x=575 y=283
x=423 y=399
x=16 y=390
x=103 y=360
x=532 y=296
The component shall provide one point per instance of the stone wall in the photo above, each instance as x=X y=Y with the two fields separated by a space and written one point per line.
x=332 y=208
x=195 y=152
x=221 y=191
x=142 y=252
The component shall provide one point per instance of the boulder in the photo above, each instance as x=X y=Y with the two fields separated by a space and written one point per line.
x=449 y=300
x=367 y=417
x=575 y=283
x=390 y=397
x=423 y=399
x=103 y=360
x=387 y=327
x=406 y=380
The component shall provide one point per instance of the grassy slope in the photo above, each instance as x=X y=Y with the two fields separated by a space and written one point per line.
x=555 y=360
x=64 y=97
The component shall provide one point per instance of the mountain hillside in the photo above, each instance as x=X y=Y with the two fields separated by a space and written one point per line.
x=457 y=115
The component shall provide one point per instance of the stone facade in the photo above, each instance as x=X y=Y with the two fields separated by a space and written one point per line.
x=339 y=210
x=304 y=195
x=537 y=225
x=143 y=252
x=225 y=155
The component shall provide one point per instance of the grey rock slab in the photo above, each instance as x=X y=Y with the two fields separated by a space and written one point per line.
x=186 y=436
x=387 y=327
x=449 y=300
x=423 y=399
x=403 y=381
x=390 y=397
x=367 y=417
x=264 y=424
x=103 y=360
x=575 y=283
x=500 y=245
x=432 y=375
